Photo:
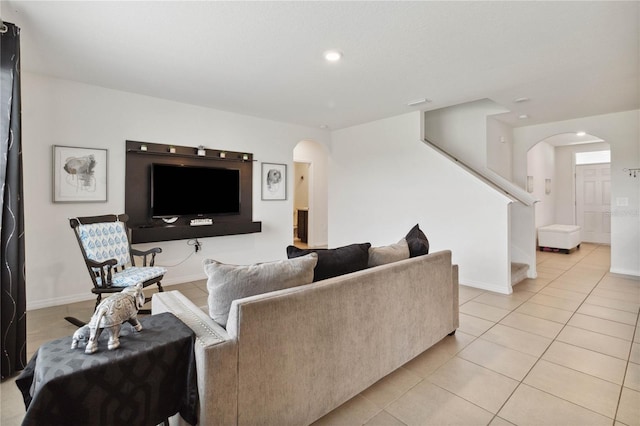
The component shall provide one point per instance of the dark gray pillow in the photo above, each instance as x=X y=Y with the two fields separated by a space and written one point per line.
x=337 y=261
x=388 y=254
x=227 y=283
x=418 y=242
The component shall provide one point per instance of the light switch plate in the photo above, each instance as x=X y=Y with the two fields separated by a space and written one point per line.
x=622 y=201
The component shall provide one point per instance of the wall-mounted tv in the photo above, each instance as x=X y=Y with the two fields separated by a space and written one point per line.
x=178 y=190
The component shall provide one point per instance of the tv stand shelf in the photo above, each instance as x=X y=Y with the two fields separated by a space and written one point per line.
x=162 y=150
x=148 y=234
x=141 y=158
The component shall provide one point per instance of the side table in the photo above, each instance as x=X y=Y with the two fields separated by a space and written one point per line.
x=149 y=378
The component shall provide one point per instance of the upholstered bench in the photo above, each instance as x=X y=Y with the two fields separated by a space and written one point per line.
x=559 y=238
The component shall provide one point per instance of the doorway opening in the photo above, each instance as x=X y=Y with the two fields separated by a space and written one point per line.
x=570 y=176
x=310 y=195
x=301 y=204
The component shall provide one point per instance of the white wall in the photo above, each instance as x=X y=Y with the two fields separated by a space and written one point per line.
x=317 y=156
x=541 y=166
x=58 y=112
x=499 y=144
x=622 y=132
x=461 y=130
x=383 y=180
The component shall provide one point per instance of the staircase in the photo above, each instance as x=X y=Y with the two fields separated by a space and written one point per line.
x=519 y=225
x=461 y=133
x=522 y=233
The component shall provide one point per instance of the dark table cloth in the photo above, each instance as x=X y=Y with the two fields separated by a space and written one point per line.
x=150 y=377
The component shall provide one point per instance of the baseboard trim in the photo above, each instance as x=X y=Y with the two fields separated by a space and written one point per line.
x=83 y=297
x=625 y=273
x=486 y=286
x=57 y=301
x=183 y=279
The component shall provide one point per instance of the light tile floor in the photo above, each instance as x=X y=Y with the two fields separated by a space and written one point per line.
x=563 y=349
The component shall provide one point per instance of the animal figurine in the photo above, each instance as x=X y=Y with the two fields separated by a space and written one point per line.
x=110 y=314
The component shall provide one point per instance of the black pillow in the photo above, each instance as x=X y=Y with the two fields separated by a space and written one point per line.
x=337 y=261
x=418 y=242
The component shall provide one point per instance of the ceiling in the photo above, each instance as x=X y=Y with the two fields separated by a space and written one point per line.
x=265 y=59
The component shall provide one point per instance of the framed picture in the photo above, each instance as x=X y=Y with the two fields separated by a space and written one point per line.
x=274 y=181
x=79 y=175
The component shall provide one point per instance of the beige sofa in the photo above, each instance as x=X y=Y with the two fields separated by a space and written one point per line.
x=291 y=356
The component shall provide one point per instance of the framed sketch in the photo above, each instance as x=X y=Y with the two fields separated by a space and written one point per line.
x=79 y=175
x=274 y=181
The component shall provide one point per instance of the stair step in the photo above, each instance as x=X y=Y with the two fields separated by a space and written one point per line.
x=518 y=272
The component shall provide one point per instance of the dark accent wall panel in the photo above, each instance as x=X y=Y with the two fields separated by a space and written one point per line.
x=139 y=158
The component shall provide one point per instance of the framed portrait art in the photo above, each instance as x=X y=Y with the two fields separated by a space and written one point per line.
x=79 y=175
x=274 y=181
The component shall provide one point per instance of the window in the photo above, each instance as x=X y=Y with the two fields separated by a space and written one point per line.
x=593 y=157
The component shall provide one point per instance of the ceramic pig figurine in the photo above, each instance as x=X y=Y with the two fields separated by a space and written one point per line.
x=110 y=314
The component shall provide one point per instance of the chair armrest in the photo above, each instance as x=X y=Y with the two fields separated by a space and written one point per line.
x=145 y=253
x=108 y=262
x=104 y=269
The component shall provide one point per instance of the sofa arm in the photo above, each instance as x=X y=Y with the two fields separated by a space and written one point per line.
x=216 y=357
x=456 y=297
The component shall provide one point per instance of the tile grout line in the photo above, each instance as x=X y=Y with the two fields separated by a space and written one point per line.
x=521 y=382
x=626 y=369
x=566 y=323
x=496 y=323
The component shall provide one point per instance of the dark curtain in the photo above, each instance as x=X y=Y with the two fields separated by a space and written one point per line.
x=12 y=266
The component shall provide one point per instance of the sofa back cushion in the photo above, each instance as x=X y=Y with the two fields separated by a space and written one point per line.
x=337 y=261
x=227 y=283
x=388 y=254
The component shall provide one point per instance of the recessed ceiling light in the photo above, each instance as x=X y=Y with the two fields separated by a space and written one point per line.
x=324 y=126
x=523 y=116
x=520 y=100
x=418 y=102
x=333 y=55
x=581 y=133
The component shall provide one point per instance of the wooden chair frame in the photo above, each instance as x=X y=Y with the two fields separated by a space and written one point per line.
x=105 y=270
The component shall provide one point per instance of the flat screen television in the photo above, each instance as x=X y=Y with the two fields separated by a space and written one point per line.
x=194 y=191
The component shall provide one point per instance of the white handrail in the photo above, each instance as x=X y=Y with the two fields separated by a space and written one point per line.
x=491 y=178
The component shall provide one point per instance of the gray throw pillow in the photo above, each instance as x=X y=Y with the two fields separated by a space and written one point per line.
x=388 y=254
x=227 y=283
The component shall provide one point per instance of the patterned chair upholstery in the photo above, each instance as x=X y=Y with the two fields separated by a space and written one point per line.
x=110 y=260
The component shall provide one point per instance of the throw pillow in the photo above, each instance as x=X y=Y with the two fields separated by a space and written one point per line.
x=388 y=254
x=418 y=242
x=337 y=261
x=227 y=283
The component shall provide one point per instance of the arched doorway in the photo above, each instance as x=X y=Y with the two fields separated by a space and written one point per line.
x=572 y=188
x=310 y=213
x=621 y=131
